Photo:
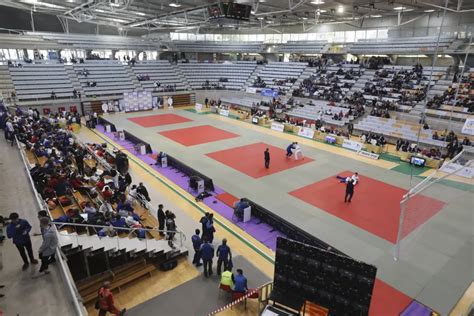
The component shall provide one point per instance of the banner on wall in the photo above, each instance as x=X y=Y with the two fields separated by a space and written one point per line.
x=198 y=107
x=367 y=154
x=277 y=127
x=224 y=112
x=251 y=90
x=306 y=132
x=468 y=127
x=352 y=145
x=457 y=169
x=269 y=93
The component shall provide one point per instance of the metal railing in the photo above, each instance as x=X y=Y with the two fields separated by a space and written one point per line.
x=130 y=231
x=76 y=298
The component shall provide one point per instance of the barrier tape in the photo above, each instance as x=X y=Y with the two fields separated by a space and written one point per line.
x=250 y=293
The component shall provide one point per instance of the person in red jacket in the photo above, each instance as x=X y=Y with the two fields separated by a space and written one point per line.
x=105 y=301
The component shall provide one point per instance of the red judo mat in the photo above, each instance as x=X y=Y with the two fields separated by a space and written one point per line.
x=249 y=159
x=387 y=301
x=227 y=198
x=197 y=135
x=158 y=120
x=375 y=206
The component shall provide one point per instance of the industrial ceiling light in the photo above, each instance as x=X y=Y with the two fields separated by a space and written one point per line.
x=399 y=8
x=340 y=9
x=376 y=16
x=174 y=4
x=429 y=11
x=304 y=18
x=317 y=2
x=140 y=13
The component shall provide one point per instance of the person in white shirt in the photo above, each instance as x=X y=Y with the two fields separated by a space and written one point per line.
x=170 y=102
x=354 y=177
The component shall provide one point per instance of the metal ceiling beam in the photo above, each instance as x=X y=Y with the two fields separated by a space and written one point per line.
x=448 y=9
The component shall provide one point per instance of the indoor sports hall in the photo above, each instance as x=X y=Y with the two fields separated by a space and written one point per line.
x=236 y=157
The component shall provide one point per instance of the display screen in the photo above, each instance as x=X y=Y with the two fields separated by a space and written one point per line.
x=230 y=10
x=417 y=161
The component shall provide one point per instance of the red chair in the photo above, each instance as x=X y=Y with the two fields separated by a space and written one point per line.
x=73 y=109
x=46 y=111
x=224 y=289
x=61 y=109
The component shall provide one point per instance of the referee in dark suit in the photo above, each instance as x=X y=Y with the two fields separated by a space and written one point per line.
x=266 y=155
x=349 y=191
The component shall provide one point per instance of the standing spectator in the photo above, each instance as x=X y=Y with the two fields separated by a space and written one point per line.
x=224 y=256
x=197 y=242
x=49 y=245
x=170 y=226
x=160 y=214
x=143 y=191
x=79 y=157
x=207 y=253
x=105 y=301
x=19 y=231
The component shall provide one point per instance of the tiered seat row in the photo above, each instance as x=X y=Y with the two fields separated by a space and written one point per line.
x=279 y=74
x=225 y=75
x=111 y=78
x=419 y=45
x=38 y=81
x=295 y=47
x=397 y=129
x=320 y=111
x=160 y=72
x=219 y=47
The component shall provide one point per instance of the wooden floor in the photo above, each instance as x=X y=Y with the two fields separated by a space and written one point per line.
x=147 y=288
x=465 y=303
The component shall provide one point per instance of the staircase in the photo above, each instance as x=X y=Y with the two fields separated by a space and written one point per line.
x=6 y=83
x=181 y=76
x=76 y=84
x=133 y=77
x=307 y=72
x=255 y=73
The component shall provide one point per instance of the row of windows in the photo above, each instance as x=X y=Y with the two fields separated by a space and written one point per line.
x=340 y=37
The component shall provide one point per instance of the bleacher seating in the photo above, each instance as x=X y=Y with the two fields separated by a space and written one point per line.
x=219 y=47
x=162 y=72
x=37 y=81
x=294 y=47
x=417 y=45
x=111 y=77
x=236 y=74
x=318 y=111
x=397 y=129
x=272 y=72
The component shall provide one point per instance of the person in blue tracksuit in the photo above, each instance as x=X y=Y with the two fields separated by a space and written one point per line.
x=19 y=231
x=207 y=253
x=197 y=242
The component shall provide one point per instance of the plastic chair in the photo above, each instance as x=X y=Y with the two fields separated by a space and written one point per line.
x=226 y=289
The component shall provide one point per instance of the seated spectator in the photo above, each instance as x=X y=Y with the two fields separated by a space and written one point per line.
x=240 y=282
x=239 y=208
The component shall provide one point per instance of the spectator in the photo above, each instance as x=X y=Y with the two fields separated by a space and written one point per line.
x=143 y=191
x=160 y=214
x=19 y=230
x=49 y=245
x=105 y=301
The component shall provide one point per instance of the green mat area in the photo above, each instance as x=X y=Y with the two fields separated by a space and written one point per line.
x=406 y=168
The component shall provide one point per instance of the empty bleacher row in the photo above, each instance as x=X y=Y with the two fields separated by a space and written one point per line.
x=212 y=75
x=162 y=73
x=38 y=81
x=397 y=129
x=219 y=47
x=319 y=110
x=295 y=47
x=416 y=45
x=111 y=77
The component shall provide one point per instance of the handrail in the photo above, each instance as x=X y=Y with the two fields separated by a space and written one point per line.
x=61 y=224
x=76 y=297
